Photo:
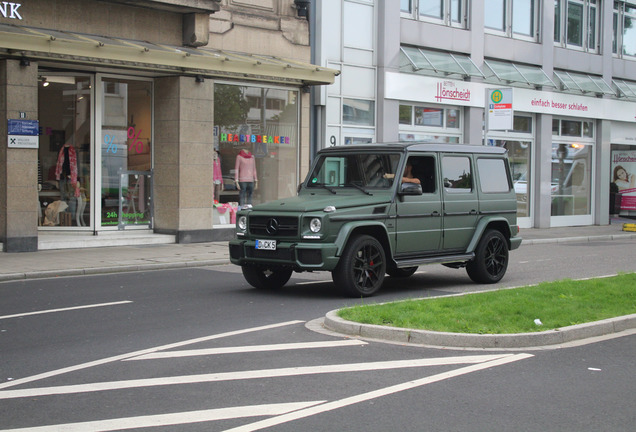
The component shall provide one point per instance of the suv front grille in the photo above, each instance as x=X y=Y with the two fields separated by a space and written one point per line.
x=274 y=226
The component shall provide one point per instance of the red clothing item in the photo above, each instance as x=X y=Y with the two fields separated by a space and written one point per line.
x=72 y=156
x=245 y=167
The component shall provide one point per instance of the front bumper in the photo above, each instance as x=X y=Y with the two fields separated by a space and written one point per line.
x=296 y=255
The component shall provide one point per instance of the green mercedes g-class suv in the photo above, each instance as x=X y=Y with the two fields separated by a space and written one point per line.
x=369 y=210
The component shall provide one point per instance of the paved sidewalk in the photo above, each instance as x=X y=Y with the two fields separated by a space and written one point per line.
x=83 y=261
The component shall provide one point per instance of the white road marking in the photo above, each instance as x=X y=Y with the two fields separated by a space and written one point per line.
x=65 y=309
x=141 y=352
x=249 y=349
x=173 y=419
x=245 y=375
x=330 y=406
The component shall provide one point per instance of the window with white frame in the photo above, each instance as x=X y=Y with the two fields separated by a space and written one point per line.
x=447 y=12
x=430 y=123
x=576 y=24
x=624 y=36
x=513 y=18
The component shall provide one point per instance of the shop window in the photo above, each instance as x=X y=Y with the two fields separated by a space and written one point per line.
x=576 y=24
x=571 y=179
x=518 y=19
x=126 y=152
x=624 y=31
x=261 y=124
x=358 y=112
x=64 y=153
x=572 y=128
x=519 y=152
x=429 y=117
x=406 y=114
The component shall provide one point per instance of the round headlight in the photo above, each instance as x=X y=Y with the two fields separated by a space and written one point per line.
x=315 y=225
x=242 y=223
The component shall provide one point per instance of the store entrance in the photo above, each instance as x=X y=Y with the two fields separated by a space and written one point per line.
x=95 y=152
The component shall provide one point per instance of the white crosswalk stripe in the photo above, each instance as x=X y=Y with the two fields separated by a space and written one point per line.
x=274 y=413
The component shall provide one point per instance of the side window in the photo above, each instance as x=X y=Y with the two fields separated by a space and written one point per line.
x=492 y=175
x=423 y=169
x=457 y=174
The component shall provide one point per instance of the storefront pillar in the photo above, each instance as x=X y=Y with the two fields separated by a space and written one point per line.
x=184 y=145
x=473 y=125
x=18 y=166
x=542 y=182
x=602 y=167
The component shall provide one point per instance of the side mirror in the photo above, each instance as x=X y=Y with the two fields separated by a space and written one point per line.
x=410 y=189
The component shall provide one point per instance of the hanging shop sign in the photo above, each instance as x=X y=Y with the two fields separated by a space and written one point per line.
x=23 y=133
x=499 y=109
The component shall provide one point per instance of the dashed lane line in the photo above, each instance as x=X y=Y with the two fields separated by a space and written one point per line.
x=20 y=315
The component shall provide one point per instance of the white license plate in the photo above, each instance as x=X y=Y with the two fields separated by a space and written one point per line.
x=266 y=244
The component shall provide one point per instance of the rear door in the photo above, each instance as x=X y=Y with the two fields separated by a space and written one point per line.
x=419 y=217
x=461 y=203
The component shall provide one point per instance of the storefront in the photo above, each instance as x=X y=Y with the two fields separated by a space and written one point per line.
x=559 y=144
x=128 y=131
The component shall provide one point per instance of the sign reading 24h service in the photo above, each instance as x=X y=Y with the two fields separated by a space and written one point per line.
x=624 y=177
x=23 y=133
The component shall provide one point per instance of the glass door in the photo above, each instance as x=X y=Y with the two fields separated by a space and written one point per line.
x=65 y=112
x=125 y=117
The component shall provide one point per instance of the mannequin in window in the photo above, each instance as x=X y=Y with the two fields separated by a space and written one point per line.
x=245 y=176
x=66 y=174
x=217 y=175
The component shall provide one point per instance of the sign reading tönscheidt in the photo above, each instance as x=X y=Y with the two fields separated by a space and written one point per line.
x=23 y=133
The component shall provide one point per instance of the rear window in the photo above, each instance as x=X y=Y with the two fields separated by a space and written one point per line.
x=492 y=175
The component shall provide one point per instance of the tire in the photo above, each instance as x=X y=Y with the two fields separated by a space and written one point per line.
x=401 y=272
x=491 y=258
x=263 y=277
x=362 y=266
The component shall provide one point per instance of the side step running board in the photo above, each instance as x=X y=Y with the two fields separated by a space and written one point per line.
x=412 y=262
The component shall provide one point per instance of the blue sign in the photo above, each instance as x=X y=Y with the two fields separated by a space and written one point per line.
x=23 y=127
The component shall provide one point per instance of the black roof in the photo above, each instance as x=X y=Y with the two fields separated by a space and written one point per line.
x=416 y=146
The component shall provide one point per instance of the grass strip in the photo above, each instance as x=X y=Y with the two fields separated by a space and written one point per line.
x=556 y=304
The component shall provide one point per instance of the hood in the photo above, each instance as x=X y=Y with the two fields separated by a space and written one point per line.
x=308 y=202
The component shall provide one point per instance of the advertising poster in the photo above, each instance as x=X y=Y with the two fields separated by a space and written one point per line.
x=624 y=177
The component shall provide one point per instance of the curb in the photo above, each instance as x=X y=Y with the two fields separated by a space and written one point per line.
x=90 y=271
x=607 y=237
x=464 y=340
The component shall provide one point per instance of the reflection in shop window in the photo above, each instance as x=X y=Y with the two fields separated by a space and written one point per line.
x=571 y=179
x=358 y=112
x=64 y=152
x=262 y=124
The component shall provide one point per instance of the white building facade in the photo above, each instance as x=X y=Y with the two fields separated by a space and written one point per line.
x=422 y=70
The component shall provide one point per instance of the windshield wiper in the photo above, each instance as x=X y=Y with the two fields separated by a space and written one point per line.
x=359 y=188
x=322 y=185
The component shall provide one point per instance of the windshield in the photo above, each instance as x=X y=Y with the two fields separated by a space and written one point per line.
x=363 y=170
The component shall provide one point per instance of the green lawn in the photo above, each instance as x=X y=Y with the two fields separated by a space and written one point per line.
x=555 y=304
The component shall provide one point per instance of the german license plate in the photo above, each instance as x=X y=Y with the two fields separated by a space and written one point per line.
x=266 y=244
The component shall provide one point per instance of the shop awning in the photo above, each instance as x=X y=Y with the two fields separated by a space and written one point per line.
x=419 y=60
x=515 y=73
x=44 y=44
x=626 y=89
x=582 y=83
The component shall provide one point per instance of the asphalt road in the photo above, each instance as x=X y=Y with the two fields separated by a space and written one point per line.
x=198 y=349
